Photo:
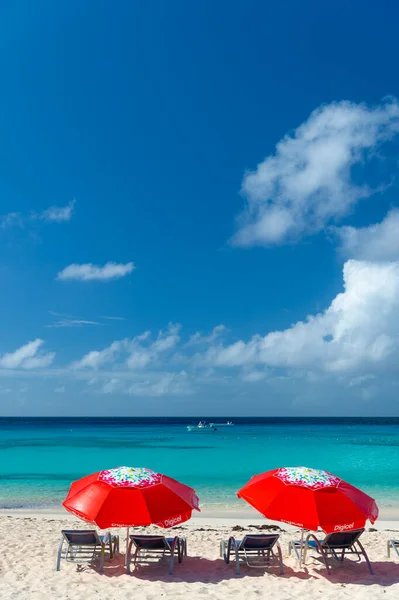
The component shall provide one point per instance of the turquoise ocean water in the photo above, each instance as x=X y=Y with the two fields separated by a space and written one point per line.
x=39 y=458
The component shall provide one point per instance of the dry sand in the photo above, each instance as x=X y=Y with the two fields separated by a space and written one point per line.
x=29 y=545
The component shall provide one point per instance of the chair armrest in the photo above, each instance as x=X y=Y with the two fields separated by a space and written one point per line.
x=232 y=546
x=232 y=543
x=176 y=545
x=306 y=545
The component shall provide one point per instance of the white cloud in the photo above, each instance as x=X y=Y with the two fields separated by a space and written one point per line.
x=27 y=357
x=168 y=384
x=54 y=214
x=308 y=182
x=98 y=358
x=39 y=362
x=198 y=338
x=114 y=318
x=72 y=323
x=376 y=242
x=111 y=386
x=141 y=356
x=361 y=380
x=11 y=220
x=90 y=272
x=359 y=329
x=253 y=376
x=138 y=356
x=60 y=390
x=57 y=214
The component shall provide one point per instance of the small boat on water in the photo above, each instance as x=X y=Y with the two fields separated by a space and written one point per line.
x=202 y=427
x=227 y=424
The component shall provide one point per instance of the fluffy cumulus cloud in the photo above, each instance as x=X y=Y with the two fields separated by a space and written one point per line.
x=95 y=359
x=199 y=339
x=378 y=242
x=359 y=330
x=136 y=353
x=28 y=356
x=308 y=182
x=90 y=272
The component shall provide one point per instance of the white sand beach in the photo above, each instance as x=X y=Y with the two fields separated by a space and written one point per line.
x=30 y=541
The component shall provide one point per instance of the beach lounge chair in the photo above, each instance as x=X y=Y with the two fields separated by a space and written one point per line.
x=393 y=545
x=336 y=545
x=82 y=546
x=151 y=549
x=258 y=551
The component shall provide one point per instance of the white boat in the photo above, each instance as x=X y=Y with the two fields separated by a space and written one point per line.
x=202 y=427
x=227 y=424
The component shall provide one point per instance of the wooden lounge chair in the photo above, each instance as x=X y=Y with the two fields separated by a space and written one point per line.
x=392 y=545
x=82 y=546
x=151 y=549
x=258 y=551
x=336 y=545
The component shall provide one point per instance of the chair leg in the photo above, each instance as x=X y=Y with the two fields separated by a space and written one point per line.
x=238 y=570
x=171 y=562
x=280 y=559
x=225 y=551
x=128 y=557
x=366 y=557
x=180 y=551
x=102 y=558
x=58 y=565
x=325 y=557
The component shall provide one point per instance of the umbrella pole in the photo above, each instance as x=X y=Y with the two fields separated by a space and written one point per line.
x=127 y=544
x=301 y=555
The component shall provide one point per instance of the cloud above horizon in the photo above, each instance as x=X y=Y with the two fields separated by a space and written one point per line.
x=53 y=214
x=359 y=330
x=90 y=272
x=308 y=182
x=57 y=214
x=350 y=343
x=27 y=357
x=137 y=352
x=378 y=242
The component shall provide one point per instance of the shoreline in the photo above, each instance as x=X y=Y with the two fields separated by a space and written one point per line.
x=210 y=517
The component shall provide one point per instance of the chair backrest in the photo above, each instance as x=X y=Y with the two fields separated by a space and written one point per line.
x=150 y=542
x=83 y=537
x=258 y=542
x=342 y=539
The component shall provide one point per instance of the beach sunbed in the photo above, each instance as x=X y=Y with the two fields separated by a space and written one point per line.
x=336 y=545
x=393 y=545
x=151 y=549
x=82 y=546
x=258 y=551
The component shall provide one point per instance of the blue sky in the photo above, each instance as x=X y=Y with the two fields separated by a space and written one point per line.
x=199 y=208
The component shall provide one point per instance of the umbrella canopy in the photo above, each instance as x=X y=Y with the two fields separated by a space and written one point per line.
x=309 y=499
x=128 y=496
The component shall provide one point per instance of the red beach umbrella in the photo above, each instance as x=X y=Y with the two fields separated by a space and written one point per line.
x=309 y=499
x=131 y=497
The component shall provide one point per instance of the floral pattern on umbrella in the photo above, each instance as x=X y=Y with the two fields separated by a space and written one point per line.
x=312 y=479
x=131 y=477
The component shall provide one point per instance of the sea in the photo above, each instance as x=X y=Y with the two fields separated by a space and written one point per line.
x=40 y=457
